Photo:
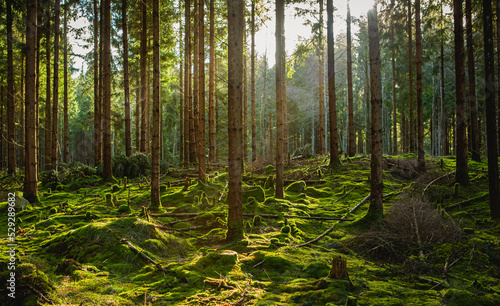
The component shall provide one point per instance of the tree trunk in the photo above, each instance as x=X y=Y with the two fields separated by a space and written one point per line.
x=30 y=191
x=376 y=209
x=155 y=149
x=66 y=118
x=245 y=96
x=444 y=117
x=321 y=136
x=211 y=87
x=280 y=94
x=235 y=78
x=498 y=67
x=11 y=107
x=97 y=116
x=420 y=118
x=394 y=114
x=252 y=85
x=489 y=93
x=107 y=171
x=332 y=98
x=48 y=105
x=351 y=149
x=144 y=73
x=410 y=74
x=201 y=88
x=55 y=100
x=196 y=90
x=126 y=81
x=137 y=117
x=462 y=174
x=187 y=81
x=474 y=129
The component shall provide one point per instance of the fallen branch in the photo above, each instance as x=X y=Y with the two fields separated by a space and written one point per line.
x=218 y=284
x=40 y=294
x=223 y=191
x=144 y=256
x=345 y=195
x=359 y=204
x=435 y=180
x=468 y=202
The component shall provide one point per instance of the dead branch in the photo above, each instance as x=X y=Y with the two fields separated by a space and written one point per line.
x=218 y=284
x=435 y=180
x=360 y=203
x=345 y=195
x=144 y=256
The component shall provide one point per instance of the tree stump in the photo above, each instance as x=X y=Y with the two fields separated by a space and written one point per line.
x=339 y=269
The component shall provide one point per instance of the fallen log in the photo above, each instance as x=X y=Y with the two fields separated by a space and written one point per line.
x=144 y=256
x=468 y=202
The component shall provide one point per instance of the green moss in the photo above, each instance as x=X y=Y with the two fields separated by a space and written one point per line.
x=124 y=209
x=286 y=229
x=255 y=192
x=109 y=200
x=115 y=188
x=298 y=186
x=269 y=170
x=53 y=211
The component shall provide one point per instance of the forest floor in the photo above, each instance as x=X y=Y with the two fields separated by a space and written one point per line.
x=437 y=244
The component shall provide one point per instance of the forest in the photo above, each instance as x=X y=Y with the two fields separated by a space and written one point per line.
x=250 y=152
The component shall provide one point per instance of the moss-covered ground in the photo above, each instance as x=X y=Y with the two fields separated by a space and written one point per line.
x=89 y=243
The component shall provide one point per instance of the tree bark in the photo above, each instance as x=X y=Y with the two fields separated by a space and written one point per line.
x=97 y=116
x=394 y=113
x=144 y=72
x=332 y=98
x=187 y=81
x=321 y=93
x=201 y=88
x=474 y=128
x=235 y=97
x=11 y=107
x=420 y=118
x=410 y=74
x=211 y=87
x=30 y=191
x=376 y=209
x=196 y=90
x=66 y=117
x=48 y=105
x=462 y=174
x=126 y=80
x=280 y=94
x=351 y=149
x=252 y=85
x=55 y=99
x=137 y=118
x=489 y=93
x=107 y=171
x=155 y=149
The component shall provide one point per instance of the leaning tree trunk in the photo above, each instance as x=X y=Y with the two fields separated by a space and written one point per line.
x=11 y=107
x=420 y=119
x=55 y=99
x=351 y=147
x=155 y=149
x=332 y=99
x=280 y=91
x=235 y=98
x=126 y=81
x=462 y=174
x=107 y=171
x=489 y=93
x=376 y=209
x=30 y=191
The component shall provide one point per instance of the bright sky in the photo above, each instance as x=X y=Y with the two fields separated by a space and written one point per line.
x=295 y=28
x=265 y=40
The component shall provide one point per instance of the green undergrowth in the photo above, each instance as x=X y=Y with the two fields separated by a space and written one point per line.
x=90 y=242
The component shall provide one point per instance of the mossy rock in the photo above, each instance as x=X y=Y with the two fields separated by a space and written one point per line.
x=286 y=229
x=269 y=170
x=318 y=193
x=298 y=186
x=269 y=183
x=316 y=269
x=30 y=283
x=163 y=188
x=255 y=192
x=214 y=262
x=124 y=209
